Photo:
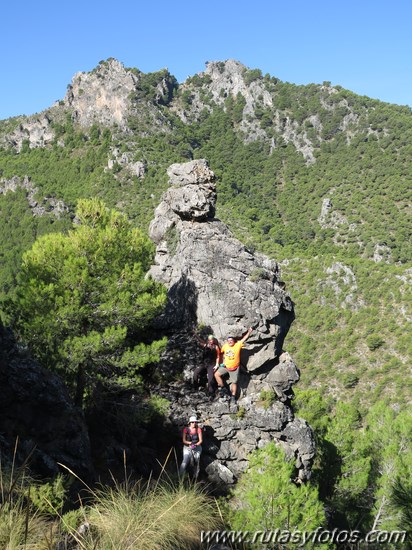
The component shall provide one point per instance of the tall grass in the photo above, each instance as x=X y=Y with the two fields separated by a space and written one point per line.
x=166 y=517
x=154 y=515
x=21 y=527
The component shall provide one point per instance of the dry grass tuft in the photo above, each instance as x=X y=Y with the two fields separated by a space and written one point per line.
x=164 y=518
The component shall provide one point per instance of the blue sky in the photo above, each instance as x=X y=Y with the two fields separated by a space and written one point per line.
x=363 y=45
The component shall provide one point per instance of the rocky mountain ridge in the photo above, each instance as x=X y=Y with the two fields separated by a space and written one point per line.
x=111 y=96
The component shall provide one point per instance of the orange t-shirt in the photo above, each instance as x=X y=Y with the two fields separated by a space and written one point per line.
x=231 y=355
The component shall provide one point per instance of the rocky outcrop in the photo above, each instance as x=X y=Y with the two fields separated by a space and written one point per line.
x=103 y=95
x=36 y=130
x=214 y=281
x=223 y=79
x=37 y=416
x=39 y=207
x=125 y=160
x=232 y=431
x=226 y=287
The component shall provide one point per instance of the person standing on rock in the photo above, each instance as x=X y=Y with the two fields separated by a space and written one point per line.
x=192 y=446
x=231 y=363
x=210 y=362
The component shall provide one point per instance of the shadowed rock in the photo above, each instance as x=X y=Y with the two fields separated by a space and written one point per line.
x=37 y=413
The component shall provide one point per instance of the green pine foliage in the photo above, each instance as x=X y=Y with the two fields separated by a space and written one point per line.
x=83 y=303
x=266 y=498
x=364 y=465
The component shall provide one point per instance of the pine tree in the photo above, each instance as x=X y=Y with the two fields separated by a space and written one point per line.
x=84 y=302
x=267 y=499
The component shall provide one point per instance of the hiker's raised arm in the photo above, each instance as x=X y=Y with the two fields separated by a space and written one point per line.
x=246 y=336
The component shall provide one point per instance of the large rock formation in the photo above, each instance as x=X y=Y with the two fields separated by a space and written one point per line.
x=214 y=281
x=37 y=416
x=103 y=95
x=232 y=431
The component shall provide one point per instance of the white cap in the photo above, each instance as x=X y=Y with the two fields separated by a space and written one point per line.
x=192 y=419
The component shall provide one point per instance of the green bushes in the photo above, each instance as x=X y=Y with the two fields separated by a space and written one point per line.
x=340 y=344
x=267 y=398
x=266 y=498
x=83 y=300
x=374 y=341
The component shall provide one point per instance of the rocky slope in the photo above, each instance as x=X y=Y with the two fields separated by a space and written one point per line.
x=129 y=101
x=109 y=96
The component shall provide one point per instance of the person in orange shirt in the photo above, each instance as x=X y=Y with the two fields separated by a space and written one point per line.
x=231 y=363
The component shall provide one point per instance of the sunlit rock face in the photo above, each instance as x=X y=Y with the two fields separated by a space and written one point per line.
x=213 y=279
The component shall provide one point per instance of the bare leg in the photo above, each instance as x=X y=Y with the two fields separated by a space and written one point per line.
x=219 y=379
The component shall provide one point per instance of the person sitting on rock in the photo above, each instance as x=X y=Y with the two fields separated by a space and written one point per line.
x=231 y=363
x=192 y=446
x=210 y=362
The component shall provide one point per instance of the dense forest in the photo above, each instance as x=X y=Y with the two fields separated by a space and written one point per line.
x=315 y=177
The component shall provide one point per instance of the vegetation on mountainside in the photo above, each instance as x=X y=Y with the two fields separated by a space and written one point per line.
x=266 y=500
x=361 y=461
x=358 y=337
x=83 y=303
x=326 y=190
x=272 y=199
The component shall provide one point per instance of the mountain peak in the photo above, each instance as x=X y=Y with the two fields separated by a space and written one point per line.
x=102 y=95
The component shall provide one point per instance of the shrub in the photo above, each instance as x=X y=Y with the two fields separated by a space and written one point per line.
x=374 y=341
x=350 y=380
x=266 y=499
x=49 y=497
x=267 y=398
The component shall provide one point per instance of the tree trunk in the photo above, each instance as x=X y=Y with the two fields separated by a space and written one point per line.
x=80 y=385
